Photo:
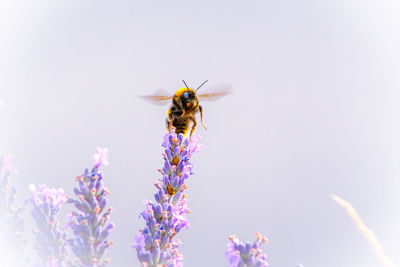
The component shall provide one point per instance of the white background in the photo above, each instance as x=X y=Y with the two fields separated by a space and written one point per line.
x=314 y=112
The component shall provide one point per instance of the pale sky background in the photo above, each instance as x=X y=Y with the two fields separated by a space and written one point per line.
x=314 y=112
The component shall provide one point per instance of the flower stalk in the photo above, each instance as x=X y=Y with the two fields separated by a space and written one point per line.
x=90 y=223
x=51 y=243
x=12 y=242
x=156 y=244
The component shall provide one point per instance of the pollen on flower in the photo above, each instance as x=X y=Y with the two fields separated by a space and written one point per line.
x=233 y=238
x=169 y=189
x=175 y=160
x=97 y=210
x=261 y=238
x=108 y=192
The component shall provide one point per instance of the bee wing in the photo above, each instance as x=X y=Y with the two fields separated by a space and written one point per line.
x=216 y=93
x=160 y=97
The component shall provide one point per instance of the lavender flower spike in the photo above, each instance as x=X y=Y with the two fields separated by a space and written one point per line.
x=246 y=255
x=50 y=239
x=166 y=216
x=12 y=242
x=90 y=223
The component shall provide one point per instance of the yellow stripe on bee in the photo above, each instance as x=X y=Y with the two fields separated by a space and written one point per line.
x=181 y=91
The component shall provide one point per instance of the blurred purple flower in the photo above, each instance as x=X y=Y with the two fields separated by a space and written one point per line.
x=100 y=157
x=12 y=243
x=7 y=167
x=50 y=239
x=90 y=223
x=246 y=255
x=166 y=216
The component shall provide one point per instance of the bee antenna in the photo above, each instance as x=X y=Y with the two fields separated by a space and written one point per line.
x=201 y=85
x=185 y=84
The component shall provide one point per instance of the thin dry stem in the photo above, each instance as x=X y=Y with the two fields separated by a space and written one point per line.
x=365 y=231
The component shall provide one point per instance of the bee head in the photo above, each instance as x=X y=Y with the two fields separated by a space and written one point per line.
x=189 y=99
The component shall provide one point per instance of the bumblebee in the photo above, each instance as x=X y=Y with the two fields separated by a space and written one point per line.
x=185 y=105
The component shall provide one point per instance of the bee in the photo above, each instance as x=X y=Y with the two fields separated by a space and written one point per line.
x=185 y=105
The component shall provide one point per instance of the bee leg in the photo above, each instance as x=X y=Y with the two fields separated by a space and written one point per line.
x=180 y=105
x=193 y=127
x=201 y=115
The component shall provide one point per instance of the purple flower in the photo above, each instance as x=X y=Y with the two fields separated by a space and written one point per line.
x=246 y=255
x=166 y=216
x=12 y=242
x=7 y=167
x=90 y=223
x=100 y=157
x=50 y=239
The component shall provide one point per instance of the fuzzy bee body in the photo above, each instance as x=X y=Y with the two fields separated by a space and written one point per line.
x=181 y=124
x=185 y=105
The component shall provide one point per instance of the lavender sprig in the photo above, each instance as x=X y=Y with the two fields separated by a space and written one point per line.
x=50 y=238
x=12 y=243
x=246 y=255
x=90 y=223
x=166 y=216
